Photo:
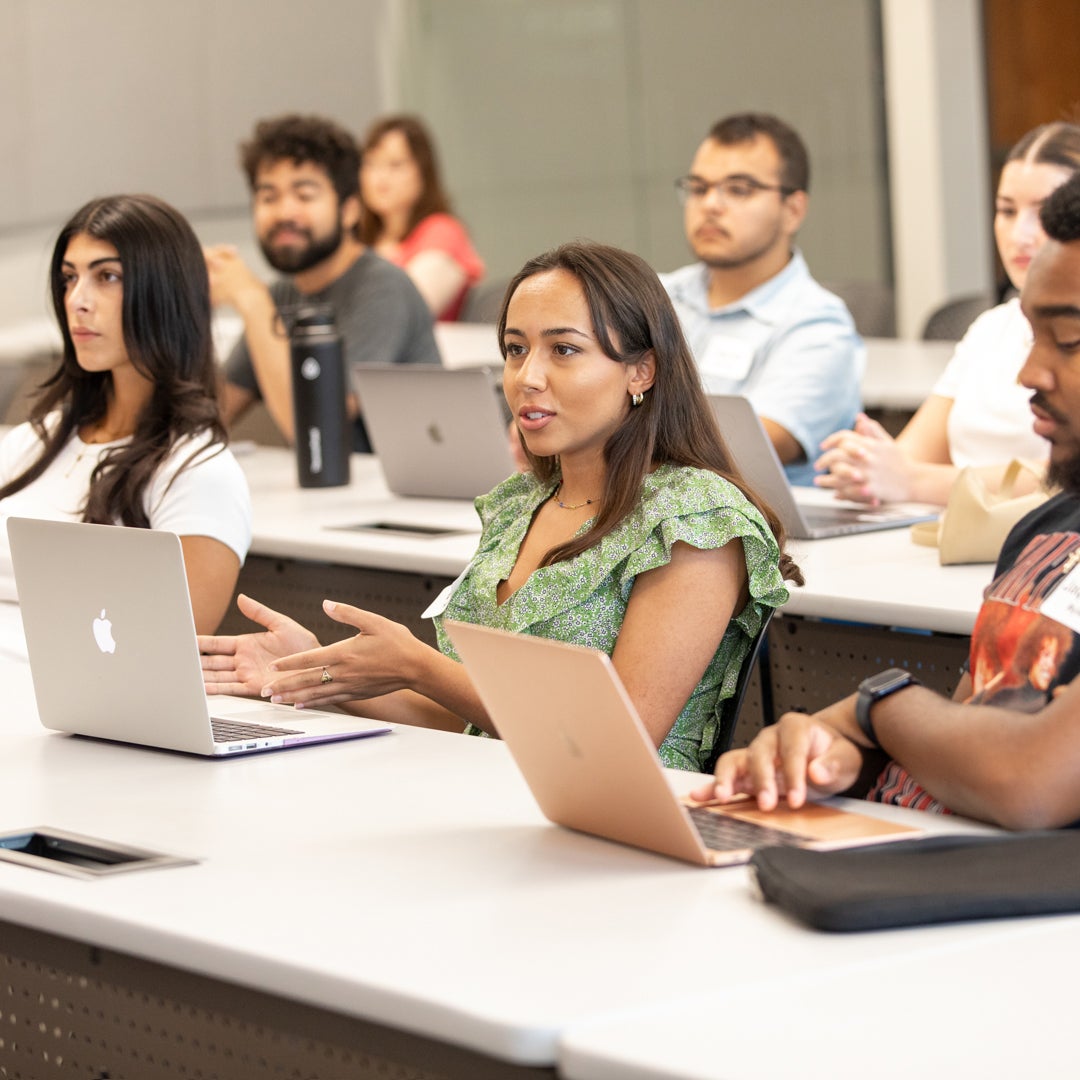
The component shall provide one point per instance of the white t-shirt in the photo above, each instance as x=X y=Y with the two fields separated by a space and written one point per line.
x=208 y=497
x=990 y=420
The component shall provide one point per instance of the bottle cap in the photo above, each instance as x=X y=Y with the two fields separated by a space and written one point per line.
x=313 y=317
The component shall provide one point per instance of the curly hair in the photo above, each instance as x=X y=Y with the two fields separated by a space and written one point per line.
x=1060 y=214
x=302 y=139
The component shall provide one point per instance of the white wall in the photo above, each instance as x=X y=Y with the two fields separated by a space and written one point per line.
x=937 y=129
x=556 y=118
x=567 y=118
x=152 y=95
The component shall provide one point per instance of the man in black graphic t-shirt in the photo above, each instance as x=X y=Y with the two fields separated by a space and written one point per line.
x=1007 y=748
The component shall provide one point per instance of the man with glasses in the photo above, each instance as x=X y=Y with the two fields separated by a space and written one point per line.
x=758 y=323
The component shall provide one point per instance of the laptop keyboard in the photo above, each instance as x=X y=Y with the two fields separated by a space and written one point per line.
x=719 y=832
x=233 y=731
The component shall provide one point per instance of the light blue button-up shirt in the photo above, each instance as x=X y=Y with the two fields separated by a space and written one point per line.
x=789 y=345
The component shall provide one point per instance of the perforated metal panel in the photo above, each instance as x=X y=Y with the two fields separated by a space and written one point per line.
x=70 y=1010
x=297 y=588
x=813 y=663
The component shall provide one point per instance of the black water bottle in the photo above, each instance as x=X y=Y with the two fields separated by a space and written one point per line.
x=321 y=423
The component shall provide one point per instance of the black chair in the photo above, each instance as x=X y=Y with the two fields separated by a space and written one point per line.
x=950 y=321
x=871 y=303
x=757 y=657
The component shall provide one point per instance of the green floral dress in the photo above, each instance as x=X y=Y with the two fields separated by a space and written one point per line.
x=583 y=600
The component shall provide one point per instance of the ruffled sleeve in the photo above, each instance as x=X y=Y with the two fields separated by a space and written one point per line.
x=697 y=507
x=707 y=512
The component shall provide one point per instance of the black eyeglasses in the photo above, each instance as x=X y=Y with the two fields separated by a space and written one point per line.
x=732 y=189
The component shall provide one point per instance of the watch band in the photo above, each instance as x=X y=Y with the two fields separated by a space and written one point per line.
x=875 y=688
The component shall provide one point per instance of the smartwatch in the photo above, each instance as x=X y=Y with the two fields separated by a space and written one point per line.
x=874 y=689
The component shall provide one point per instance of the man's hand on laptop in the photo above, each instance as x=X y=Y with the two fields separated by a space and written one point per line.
x=241 y=664
x=784 y=760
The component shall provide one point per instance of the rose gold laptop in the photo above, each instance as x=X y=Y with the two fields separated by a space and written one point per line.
x=573 y=731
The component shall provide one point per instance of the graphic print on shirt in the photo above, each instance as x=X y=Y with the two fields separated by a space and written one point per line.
x=1024 y=645
x=1025 y=636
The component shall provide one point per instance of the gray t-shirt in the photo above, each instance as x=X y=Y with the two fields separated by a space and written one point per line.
x=380 y=315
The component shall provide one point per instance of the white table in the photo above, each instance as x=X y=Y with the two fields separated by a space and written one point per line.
x=884 y=577
x=901 y=373
x=996 y=1010
x=403 y=884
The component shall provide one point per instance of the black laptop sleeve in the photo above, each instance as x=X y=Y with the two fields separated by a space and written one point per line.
x=933 y=880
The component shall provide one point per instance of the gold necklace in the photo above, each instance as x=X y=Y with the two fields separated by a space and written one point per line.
x=569 y=506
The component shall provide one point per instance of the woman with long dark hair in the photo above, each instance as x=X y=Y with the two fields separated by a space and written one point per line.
x=978 y=413
x=632 y=533
x=407 y=216
x=126 y=430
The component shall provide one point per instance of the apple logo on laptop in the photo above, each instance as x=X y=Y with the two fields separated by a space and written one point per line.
x=571 y=744
x=103 y=634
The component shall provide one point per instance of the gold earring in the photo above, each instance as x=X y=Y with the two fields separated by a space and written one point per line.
x=636 y=399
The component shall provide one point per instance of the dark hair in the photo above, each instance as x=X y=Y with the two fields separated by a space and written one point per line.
x=632 y=315
x=745 y=127
x=302 y=139
x=166 y=323
x=1050 y=144
x=1060 y=213
x=433 y=199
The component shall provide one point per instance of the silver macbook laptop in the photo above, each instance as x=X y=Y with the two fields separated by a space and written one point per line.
x=591 y=765
x=113 y=654
x=438 y=433
x=756 y=457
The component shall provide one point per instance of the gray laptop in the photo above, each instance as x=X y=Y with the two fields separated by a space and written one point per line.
x=756 y=457
x=438 y=433
x=113 y=654
x=591 y=766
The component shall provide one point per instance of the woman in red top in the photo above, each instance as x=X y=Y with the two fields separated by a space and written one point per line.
x=407 y=217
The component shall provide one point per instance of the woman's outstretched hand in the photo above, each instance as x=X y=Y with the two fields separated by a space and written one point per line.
x=241 y=664
x=382 y=657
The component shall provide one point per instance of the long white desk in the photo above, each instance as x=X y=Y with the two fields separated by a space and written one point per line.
x=396 y=901
x=996 y=1010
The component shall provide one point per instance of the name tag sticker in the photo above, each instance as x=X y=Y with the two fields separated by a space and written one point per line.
x=725 y=360
x=1063 y=604
x=438 y=605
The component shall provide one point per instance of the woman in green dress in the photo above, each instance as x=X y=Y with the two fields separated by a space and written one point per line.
x=632 y=533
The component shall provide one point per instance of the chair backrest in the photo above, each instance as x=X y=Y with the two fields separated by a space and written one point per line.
x=483 y=301
x=950 y=321
x=757 y=658
x=19 y=385
x=871 y=303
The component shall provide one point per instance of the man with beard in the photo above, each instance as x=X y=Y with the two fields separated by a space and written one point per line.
x=996 y=763
x=758 y=323
x=304 y=177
